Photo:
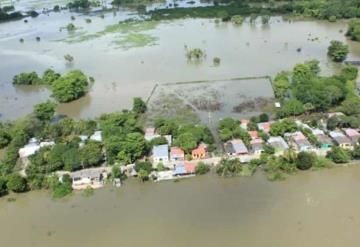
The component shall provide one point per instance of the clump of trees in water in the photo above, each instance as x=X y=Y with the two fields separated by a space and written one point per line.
x=354 y=30
x=65 y=88
x=195 y=54
x=338 y=51
x=311 y=92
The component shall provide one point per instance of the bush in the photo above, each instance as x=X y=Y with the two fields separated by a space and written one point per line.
x=339 y=155
x=31 y=78
x=70 y=87
x=16 y=183
x=338 y=51
x=305 y=160
x=202 y=168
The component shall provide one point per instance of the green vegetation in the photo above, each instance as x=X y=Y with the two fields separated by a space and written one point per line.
x=279 y=128
x=134 y=40
x=79 y=4
x=88 y=192
x=305 y=160
x=354 y=30
x=338 y=51
x=195 y=54
x=233 y=168
x=16 y=183
x=5 y=16
x=230 y=129
x=186 y=136
x=339 y=155
x=313 y=93
x=281 y=85
x=44 y=111
x=59 y=188
x=70 y=27
x=325 y=10
x=237 y=19
x=216 y=61
x=201 y=168
x=27 y=79
x=68 y=87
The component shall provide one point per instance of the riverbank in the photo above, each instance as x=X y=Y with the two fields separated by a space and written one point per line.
x=203 y=210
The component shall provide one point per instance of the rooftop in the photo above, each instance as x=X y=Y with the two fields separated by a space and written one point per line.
x=278 y=142
x=239 y=146
x=161 y=150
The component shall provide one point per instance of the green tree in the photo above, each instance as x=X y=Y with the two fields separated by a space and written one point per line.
x=292 y=107
x=5 y=138
x=71 y=86
x=186 y=141
x=26 y=79
x=3 y=186
x=281 y=127
x=49 y=76
x=339 y=155
x=139 y=106
x=201 y=168
x=132 y=148
x=44 y=111
x=281 y=85
x=338 y=51
x=351 y=106
x=350 y=72
x=305 y=160
x=354 y=30
x=91 y=154
x=16 y=183
x=143 y=175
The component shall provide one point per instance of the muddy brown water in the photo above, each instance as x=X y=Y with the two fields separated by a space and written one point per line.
x=309 y=209
x=121 y=74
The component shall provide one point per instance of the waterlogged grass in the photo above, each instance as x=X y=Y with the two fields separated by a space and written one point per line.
x=135 y=40
x=131 y=34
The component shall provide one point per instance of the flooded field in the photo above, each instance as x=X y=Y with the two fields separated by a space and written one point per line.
x=210 y=101
x=128 y=60
x=310 y=209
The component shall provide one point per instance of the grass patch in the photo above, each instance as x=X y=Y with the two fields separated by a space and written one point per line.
x=88 y=192
x=131 y=31
x=134 y=40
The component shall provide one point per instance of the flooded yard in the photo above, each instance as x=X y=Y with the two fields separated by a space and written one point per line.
x=150 y=54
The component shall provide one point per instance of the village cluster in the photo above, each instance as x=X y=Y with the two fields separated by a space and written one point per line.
x=176 y=163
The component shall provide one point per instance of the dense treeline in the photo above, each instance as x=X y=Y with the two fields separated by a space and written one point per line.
x=311 y=92
x=319 y=9
x=6 y=16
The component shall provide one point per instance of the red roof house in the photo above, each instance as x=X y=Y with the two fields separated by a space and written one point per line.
x=177 y=154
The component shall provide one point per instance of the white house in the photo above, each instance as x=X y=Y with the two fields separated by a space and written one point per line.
x=161 y=153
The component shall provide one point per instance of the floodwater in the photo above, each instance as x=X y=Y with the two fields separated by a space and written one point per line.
x=122 y=73
x=309 y=209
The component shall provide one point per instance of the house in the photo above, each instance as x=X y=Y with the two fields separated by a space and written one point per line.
x=335 y=114
x=32 y=147
x=278 y=143
x=199 y=152
x=160 y=153
x=150 y=134
x=257 y=146
x=341 y=140
x=253 y=134
x=236 y=147
x=300 y=142
x=353 y=134
x=244 y=123
x=93 y=177
x=97 y=136
x=177 y=154
x=187 y=168
x=324 y=140
x=264 y=126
